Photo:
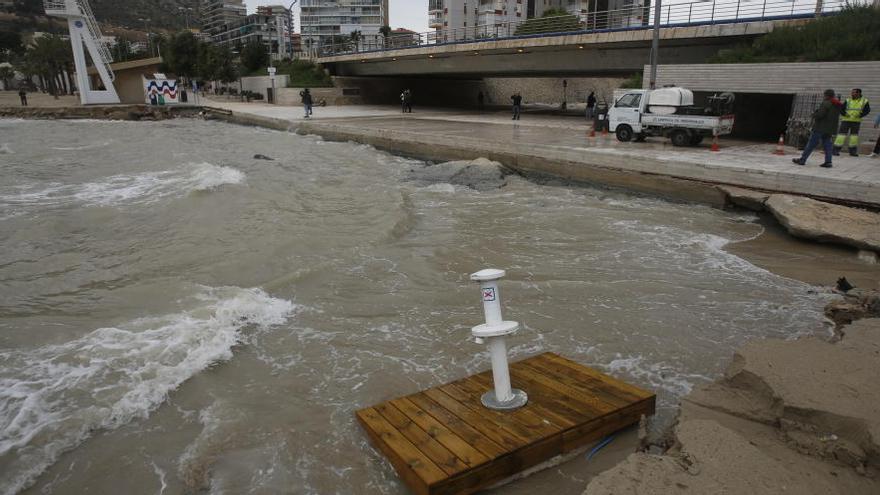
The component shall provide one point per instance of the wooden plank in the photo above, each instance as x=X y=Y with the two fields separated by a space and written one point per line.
x=481 y=442
x=583 y=383
x=416 y=470
x=440 y=455
x=630 y=389
x=571 y=408
x=573 y=390
x=463 y=450
x=505 y=439
x=501 y=468
x=494 y=420
x=524 y=416
x=535 y=403
x=595 y=429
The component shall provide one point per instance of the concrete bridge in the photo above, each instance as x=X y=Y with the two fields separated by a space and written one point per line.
x=690 y=33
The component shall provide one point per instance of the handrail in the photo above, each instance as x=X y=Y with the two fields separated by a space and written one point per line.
x=626 y=19
x=81 y=8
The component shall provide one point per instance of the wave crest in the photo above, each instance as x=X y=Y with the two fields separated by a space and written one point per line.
x=53 y=397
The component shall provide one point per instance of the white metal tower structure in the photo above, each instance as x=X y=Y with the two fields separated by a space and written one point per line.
x=84 y=30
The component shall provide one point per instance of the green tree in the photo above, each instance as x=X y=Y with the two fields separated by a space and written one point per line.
x=852 y=34
x=181 y=54
x=552 y=21
x=6 y=75
x=355 y=39
x=28 y=7
x=254 y=56
x=10 y=44
x=122 y=50
x=48 y=57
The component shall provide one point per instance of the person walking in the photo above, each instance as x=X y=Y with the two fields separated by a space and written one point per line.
x=22 y=94
x=407 y=100
x=854 y=109
x=306 y=97
x=480 y=100
x=517 y=105
x=824 y=125
x=591 y=106
x=876 y=152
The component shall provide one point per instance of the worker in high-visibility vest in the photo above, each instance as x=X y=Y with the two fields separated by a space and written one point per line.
x=854 y=109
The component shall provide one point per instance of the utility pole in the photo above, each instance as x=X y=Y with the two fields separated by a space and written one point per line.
x=655 y=46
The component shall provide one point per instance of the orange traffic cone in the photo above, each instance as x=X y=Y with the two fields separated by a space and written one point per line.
x=715 y=146
x=780 y=146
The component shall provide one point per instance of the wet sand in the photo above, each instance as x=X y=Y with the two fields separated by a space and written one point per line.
x=808 y=261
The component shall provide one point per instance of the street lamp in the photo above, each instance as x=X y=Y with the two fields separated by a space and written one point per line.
x=655 y=46
x=289 y=41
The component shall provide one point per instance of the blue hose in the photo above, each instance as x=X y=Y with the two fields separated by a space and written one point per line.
x=600 y=446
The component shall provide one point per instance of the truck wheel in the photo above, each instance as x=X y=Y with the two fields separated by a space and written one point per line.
x=624 y=133
x=680 y=137
x=696 y=139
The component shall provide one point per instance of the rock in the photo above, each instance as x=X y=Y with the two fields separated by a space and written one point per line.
x=745 y=198
x=480 y=174
x=811 y=219
x=263 y=157
x=857 y=304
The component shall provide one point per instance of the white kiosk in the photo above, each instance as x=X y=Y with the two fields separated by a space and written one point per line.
x=84 y=30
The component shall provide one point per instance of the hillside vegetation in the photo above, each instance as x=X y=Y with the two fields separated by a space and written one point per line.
x=853 y=34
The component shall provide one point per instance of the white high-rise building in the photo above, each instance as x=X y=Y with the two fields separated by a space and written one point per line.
x=452 y=19
x=216 y=14
x=322 y=21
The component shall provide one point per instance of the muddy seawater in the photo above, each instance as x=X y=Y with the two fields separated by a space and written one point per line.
x=177 y=316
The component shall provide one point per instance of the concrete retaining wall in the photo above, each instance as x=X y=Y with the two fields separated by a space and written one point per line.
x=333 y=96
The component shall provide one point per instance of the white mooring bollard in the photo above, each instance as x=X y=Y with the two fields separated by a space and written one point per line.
x=494 y=331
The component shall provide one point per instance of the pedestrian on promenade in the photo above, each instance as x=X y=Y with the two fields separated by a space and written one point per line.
x=591 y=106
x=406 y=101
x=876 y=152
x=824 y=124
x=306 y=97
x=517 y=105
x=854 y=109
x=23 y=95
x=480 y=100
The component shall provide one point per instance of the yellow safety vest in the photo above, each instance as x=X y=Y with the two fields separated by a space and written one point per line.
x=854 y=109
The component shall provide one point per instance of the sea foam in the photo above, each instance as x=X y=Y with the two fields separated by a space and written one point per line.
x=53 y=397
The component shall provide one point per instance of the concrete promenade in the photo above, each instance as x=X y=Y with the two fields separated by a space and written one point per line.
x=560 y=146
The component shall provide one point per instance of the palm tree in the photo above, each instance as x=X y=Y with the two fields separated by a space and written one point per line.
x=386 y=33
x=6 y=74
x=355 y=37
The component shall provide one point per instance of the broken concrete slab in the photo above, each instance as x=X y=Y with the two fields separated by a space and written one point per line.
x=825 y=222
x=745 y=198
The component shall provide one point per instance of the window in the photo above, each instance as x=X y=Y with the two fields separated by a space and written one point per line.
x=630 y=100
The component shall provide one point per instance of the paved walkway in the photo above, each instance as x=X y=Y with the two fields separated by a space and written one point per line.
x=745 y=164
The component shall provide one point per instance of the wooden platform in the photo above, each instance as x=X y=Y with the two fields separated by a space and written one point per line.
x=443 y=441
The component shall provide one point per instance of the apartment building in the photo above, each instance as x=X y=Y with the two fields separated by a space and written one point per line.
x=449 y=16
x=322 y=21
x=216 y=14
x=272 y=31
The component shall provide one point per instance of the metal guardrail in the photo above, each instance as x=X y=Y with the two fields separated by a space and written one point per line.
x=627 y=19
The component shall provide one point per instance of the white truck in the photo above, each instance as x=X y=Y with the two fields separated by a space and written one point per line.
x=670 y=112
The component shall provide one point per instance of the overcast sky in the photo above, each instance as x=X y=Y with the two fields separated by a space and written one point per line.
x=410 y=14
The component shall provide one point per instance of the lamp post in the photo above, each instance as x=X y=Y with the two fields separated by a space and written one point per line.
x=655 y=46
x=289 y=41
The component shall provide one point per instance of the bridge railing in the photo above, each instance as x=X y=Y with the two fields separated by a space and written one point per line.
x=626 y=19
